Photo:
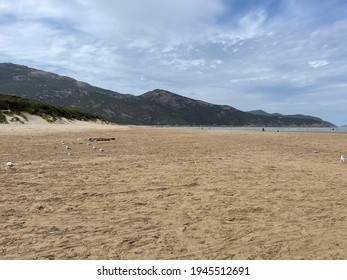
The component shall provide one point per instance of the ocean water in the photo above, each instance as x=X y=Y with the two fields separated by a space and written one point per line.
x=275 y=129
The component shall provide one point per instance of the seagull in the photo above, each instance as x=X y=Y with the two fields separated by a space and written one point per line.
x=101 y=150
x=342 y=158
x=9 y=164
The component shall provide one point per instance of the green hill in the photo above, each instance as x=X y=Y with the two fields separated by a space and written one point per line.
x=157 y=107
x=14 y=105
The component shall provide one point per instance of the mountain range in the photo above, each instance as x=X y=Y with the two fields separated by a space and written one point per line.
x=157 y=107
x=296 y=116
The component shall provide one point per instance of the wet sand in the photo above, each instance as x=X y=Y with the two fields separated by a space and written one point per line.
x=171 y=193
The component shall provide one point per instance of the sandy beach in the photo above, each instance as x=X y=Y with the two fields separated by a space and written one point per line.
x=171 y=193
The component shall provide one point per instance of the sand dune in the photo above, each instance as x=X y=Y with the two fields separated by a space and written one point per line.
x=167 y=193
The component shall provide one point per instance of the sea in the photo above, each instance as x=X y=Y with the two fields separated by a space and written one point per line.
x=275 y=129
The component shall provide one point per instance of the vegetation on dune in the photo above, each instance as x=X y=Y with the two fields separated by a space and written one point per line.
x=10 y=105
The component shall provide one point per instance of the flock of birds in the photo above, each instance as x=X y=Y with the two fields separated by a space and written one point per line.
x=68 y=148
x=10 y=164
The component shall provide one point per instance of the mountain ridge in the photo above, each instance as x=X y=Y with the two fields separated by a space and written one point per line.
x=157 y=107
x=300 y=116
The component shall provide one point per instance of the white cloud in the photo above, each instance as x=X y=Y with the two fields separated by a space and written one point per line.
x=251 y=79
x=215 y=63
x=251 y=24
x=318 y=63
x=175 y=21
x=185 y=64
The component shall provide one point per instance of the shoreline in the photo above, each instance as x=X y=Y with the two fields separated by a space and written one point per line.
x=38 y=123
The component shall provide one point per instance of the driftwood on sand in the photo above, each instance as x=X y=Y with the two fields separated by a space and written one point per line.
x=95 y=139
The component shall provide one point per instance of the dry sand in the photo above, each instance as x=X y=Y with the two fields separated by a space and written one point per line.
x=159 y=193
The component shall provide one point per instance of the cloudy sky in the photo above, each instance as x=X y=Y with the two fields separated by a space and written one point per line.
x=287 y=56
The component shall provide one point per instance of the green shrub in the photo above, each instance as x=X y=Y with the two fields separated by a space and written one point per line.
x=10 y=104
